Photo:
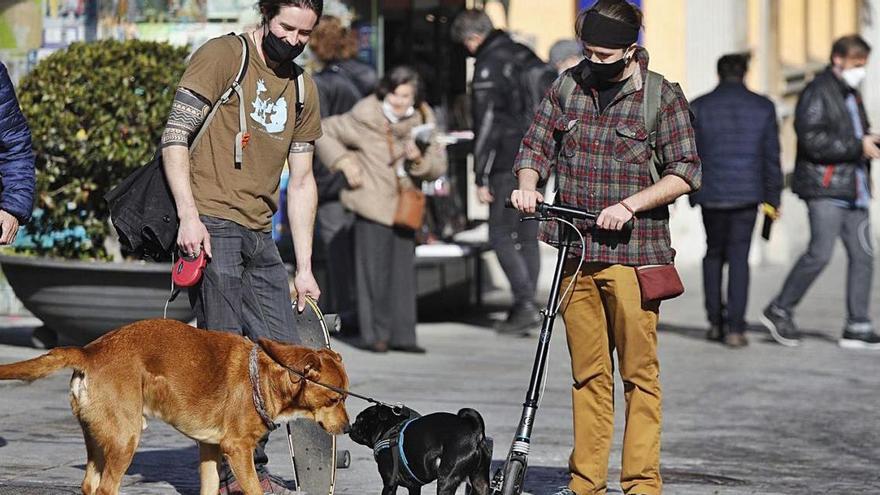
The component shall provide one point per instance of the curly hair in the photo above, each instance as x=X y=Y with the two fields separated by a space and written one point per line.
x=332 y=41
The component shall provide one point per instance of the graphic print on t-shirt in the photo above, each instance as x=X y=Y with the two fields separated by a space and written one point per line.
x=271 y=115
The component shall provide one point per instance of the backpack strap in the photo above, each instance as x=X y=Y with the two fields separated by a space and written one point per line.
x=300 y=84
x=651 y=113
x=242 y=137
x=566 y=89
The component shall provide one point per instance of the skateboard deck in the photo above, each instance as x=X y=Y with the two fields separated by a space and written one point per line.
x=313 y=449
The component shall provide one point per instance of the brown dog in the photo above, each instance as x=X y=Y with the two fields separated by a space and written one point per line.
x=195 y=380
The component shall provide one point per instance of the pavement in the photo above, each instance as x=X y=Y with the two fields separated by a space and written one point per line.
x=762 y=420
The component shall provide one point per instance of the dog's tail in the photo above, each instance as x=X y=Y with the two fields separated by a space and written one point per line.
x=473 y=416
x=479 y=480
x=45 y=365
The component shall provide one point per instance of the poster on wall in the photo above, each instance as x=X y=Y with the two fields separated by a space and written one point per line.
x=64 y=22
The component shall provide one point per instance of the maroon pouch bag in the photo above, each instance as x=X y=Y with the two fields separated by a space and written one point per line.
x=659 y=282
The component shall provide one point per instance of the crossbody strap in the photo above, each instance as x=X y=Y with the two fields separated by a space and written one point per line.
x=242 y=136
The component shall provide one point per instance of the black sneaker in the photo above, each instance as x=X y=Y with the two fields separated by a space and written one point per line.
x=782 y=328
x=860 y=340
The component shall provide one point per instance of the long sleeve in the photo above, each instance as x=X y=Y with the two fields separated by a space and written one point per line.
x=338 y=139
x=772 y=172
x=16 y=154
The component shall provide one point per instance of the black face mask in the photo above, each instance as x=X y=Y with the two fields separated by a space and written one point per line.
x=606 y=72
x=279 y=51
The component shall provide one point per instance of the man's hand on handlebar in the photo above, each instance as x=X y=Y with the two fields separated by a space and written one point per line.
x=614 y=217
x=526 y=201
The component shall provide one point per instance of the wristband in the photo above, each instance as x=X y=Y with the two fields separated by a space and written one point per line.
x=630 y=210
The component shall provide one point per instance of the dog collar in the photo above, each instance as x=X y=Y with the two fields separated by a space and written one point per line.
x=259 y=403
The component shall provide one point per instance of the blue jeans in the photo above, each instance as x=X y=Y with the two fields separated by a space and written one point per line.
x=244 y=290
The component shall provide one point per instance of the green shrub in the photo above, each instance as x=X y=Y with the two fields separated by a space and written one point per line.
x=96 y=112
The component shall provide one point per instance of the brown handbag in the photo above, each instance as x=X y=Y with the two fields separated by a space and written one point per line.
x=659 y=282
x=410 y=213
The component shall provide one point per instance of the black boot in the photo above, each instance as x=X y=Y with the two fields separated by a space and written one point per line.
x=522 y=319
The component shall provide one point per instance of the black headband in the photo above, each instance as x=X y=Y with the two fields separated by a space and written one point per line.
x=601 y=30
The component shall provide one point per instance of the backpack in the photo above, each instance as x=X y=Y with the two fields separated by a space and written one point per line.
x=650 y=111
x=142 y=208
x=532 y=77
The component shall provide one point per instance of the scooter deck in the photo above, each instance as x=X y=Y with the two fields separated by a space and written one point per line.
x=314 y=450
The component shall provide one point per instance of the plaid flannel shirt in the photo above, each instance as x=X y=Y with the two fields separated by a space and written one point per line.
x=603 y=158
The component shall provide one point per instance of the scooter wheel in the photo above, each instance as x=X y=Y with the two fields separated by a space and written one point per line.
x=514 y=475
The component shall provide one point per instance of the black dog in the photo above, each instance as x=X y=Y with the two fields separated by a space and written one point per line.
x=412 y=450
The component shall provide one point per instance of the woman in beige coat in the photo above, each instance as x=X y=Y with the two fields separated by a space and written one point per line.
x=375 y=145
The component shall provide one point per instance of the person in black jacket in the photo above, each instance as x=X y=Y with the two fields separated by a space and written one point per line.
x=738 y=141
x=500 y=121
x=17 y=179
x=832 y=175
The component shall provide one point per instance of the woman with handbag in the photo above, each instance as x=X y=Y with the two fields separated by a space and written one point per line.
x=386 y=146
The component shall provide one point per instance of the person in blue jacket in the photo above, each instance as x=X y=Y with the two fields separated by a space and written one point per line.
x=17 y=180
x=738 y=142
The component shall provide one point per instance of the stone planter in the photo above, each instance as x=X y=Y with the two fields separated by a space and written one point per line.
x=82 y=300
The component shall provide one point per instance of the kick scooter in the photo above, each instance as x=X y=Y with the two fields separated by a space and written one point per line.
x=508 y=479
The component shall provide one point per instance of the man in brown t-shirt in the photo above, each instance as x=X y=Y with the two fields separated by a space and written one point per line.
x=225 y=205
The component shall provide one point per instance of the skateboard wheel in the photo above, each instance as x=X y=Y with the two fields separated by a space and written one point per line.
x=343 y=459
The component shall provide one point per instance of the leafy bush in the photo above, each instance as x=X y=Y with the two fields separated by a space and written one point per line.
x=96 y=112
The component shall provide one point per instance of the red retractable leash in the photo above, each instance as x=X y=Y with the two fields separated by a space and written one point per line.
x=186 y=271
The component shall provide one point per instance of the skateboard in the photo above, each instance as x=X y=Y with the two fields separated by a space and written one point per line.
x=313 y=450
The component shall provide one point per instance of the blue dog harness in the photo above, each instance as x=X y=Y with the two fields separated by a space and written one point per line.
x=393 y=441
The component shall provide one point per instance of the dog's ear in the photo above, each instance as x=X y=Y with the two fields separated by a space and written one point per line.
x=310 y=363
x=296 y=357
x=331 y=354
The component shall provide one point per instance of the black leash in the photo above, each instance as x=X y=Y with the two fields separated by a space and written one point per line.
x=397 y=408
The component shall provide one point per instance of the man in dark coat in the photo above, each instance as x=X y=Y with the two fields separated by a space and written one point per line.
x=738 y=142
x=832 y=175
x=500 y=121
x=16 y=163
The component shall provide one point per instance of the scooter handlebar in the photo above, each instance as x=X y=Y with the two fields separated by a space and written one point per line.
x=569 y=212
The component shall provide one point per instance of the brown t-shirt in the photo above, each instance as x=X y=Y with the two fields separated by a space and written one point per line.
x=249 y=195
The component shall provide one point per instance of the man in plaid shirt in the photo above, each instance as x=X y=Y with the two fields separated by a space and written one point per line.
x=603 y=165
